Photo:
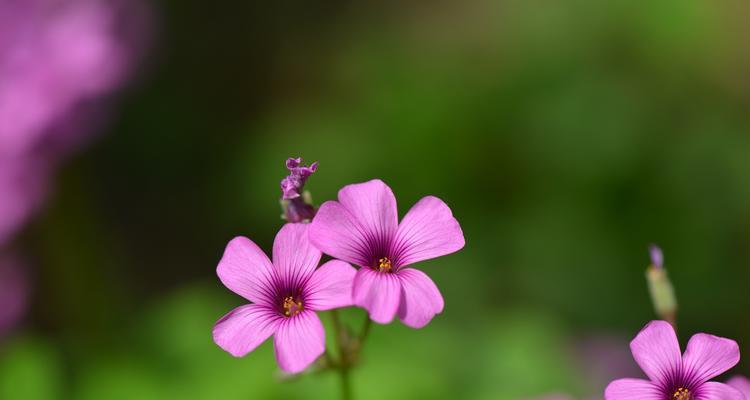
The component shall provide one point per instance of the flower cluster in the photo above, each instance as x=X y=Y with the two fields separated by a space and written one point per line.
x=362 y=229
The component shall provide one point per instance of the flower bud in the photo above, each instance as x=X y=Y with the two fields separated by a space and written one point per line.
x=295 y=202
x=660 y=287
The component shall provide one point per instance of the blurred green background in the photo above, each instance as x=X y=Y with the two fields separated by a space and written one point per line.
x=566 y=137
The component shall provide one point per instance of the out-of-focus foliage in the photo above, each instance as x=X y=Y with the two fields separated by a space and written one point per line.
x=565 y=136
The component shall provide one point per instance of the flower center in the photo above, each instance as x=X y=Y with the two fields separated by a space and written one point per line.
x=384 y=265
x=681 y=394
x=291 y=307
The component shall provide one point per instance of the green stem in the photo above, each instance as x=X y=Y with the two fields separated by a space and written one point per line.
x=346 y=387
x=343 y=364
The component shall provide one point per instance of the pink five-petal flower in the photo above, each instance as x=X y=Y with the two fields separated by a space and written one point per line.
x=285 y=295
x=677 y=377
x=362 y=228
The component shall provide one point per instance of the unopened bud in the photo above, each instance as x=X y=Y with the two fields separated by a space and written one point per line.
x=660 y=287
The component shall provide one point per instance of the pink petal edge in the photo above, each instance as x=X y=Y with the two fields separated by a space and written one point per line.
x=720 y=391
x=420 y=298
x=331 y=286
x=294 y=257
x=632 y=389
x=427 y=231
x=373 y=206
x=656 y=350
x=246 y=270
x=299 y=341
x=336 y=232
x=708 y=356
x=245 y=328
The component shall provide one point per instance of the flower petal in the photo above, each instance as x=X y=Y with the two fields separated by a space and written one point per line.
x=330 y=286
x=244 y=328
x=427 y=231
x=707 y=356
x=377 y=292
x=246 y=270
x=420 y=298
x=632 y=389
x=299 y=341
x=294 y=257
x=337 y=233
x=740 y=383
x=373 y=206
x=657 y=351
x=719 y=391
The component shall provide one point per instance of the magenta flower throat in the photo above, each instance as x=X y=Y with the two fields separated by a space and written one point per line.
x=362 y=228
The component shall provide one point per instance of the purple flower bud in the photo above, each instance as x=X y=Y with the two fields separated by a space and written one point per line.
x=657 y=257
x=298 y=211
x=292 y=185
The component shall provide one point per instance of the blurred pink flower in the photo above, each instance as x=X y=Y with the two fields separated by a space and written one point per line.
x=673 y=376
x=602 y=358
x=740 y=383
x=13 y=293
x=285 y=295
x=58 y=60
x=362 y=228
x=22 y=186
x=54 y=56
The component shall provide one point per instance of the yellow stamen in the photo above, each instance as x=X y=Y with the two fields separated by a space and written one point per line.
x=385 y=264
x=681 y=394
x=291 y=307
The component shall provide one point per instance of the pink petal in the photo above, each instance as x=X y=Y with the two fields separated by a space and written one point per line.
x=336 y=232
x=377 y=292
x=740 y=383
x=330 y=286
x=632 y=389
x=420 y=298
x=719 y=391
x=299 y=341
x=656 y=350
x=294 y=257
x=707 y=356
x=244 y=328
x=373 y=206
x=247 y=271
x=427 y=231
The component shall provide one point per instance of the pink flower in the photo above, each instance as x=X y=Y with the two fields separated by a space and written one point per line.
x=55 y=57
x=677 y=377
x=740 y=383
x=284 y=293
x=362 y=228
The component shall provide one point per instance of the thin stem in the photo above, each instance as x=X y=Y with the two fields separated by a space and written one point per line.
x=346 y=387
x=343 y=364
